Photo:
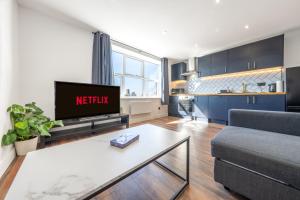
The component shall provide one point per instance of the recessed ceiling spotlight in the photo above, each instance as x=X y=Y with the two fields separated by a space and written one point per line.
x=218 y=1
x=164 y=32
x=196 y=45
x=246 y=26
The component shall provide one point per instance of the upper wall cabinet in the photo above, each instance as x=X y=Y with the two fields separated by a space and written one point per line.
x=239 y=59
x=268 y=53
x=219 y=63
x=262 y=54
x=177 y=70
x=204 y=66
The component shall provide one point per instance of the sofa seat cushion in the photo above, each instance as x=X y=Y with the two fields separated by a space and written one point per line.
x=272 y=154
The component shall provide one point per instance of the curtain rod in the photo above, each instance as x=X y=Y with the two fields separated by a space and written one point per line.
x=128 y=47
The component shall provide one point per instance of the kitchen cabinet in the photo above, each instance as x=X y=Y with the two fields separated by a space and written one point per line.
x=239 y=59
x=201 y=106
x=217 y=106
x=173 y=106
x=177 y=70
x=267 y=53
x=269 y=102
x=258 y=55
x=219 y=63
x=204 y=66
x=257 y=102
x=239 y=102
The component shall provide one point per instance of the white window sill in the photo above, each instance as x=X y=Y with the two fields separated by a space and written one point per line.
x=133 y=97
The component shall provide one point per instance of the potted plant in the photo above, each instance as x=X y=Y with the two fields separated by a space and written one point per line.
x=28 y=123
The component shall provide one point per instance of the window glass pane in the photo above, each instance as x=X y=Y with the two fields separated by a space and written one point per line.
x=151 y=71
x=117 y=80
x=117 y=62
x=133 y=86
x=150 y=88
x=133 y=67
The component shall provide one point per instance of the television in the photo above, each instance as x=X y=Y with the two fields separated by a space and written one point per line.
x=77 y=100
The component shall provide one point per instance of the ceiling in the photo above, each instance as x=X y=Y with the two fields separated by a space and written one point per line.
x=179 y=28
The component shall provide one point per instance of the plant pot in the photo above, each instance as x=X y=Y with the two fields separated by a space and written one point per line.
x=23 y=147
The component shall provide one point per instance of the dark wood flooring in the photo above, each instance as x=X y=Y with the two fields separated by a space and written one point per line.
x=152 y=182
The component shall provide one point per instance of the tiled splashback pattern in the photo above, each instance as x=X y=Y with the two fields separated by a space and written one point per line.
x=199 y=85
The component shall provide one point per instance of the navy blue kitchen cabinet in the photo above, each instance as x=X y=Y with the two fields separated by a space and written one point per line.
x=267 y=53
x=173 y=106
x=258 y=55
x=239 y=102
x=201 y=106
x=203 y=66
x=219 y=63
x=268 y=102
x=173 y=110
x=257 y=102
x=177 y=70
x=217 y=106
x=239 y=59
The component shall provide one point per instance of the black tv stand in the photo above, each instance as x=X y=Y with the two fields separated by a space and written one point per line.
x=85 y=126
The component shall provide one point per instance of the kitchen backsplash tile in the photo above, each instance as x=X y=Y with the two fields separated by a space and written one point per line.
x=199 y=85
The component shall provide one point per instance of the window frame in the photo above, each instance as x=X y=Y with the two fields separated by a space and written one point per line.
x=142 y=77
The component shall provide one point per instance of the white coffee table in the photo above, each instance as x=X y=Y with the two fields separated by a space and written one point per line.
x=85 y=168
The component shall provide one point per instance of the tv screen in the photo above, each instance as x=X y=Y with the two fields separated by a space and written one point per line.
x=76 y=100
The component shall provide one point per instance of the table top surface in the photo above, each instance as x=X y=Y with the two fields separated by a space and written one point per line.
x=72 y=170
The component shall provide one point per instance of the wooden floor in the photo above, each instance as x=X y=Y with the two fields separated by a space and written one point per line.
x=152 y=182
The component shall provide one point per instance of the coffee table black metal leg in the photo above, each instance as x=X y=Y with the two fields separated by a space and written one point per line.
x=175 y=196
x=187 y=178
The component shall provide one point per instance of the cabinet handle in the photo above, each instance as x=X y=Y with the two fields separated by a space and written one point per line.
x=254 y=65
x=225 y=69
x=248 y=99
x=254 y=100
x=248 y=65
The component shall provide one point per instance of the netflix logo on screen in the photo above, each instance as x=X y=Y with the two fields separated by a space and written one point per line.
x=84 y=100
x=75 y=100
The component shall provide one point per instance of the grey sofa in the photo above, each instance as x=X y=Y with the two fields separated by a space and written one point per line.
x=258 y=155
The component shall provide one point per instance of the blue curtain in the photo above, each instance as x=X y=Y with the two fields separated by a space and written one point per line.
x=102 y=65
x=164 y=82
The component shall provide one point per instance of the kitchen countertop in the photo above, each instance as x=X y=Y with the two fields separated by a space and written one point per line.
x=232 y=94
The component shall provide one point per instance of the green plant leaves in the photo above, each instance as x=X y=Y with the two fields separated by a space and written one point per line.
x=58 y=123
x=16 y=109
x=28 y=121
x=9 y=138
x=31 y=107
x=21 y=125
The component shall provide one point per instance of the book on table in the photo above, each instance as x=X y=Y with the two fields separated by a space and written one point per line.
x=124 y=140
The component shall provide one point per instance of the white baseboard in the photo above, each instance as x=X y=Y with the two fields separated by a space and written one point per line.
x=6 y=160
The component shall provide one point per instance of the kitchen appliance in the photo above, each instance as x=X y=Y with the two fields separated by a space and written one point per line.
x=293 y=89
x=177 y=91
x=279 y=86
x=191 y=68
x=185 y=105
x=272 y=87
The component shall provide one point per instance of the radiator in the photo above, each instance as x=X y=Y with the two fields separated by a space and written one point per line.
x=140 y=107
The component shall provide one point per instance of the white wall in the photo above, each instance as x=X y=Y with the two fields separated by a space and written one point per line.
x=51 y=50
x=9 y=92
x=292 y=48
x=54 y=50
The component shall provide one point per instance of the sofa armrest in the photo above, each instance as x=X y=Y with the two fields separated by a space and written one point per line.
x=280 y=122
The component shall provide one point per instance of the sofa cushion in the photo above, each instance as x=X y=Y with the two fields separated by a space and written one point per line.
x=272 y=154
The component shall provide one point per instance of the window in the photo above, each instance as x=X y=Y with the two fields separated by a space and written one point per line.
x=137 y=77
